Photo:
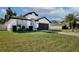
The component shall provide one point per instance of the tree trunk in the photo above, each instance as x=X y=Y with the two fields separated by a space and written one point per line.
x=72 y=27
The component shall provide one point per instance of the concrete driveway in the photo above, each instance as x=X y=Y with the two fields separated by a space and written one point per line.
x=69 y=33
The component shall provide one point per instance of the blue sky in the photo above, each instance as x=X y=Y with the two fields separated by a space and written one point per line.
x=52 y=13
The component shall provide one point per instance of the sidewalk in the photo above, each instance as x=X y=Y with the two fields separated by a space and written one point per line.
x=69 y=33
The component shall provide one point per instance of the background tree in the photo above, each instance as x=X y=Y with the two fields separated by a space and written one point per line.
x=2 y=20
x=71 y=20
x=9 y=14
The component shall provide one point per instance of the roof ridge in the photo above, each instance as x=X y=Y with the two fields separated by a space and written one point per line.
x=42 y=18
x=30 y=13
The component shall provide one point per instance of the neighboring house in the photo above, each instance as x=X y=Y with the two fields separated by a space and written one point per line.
x=2 y=27
x=77 y=21
x=55 y=25
x=29 y=21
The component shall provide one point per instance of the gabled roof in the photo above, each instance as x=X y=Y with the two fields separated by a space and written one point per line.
x=18 y=17
x=30 y=13
x=43 y=18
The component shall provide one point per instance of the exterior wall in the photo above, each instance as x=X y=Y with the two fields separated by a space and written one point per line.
x=55 y=26
x=77 y=22
x=43 y=21
x=49 y=26
x=34 y=24
x=26 y=23
x=17 y=22
x=10 y=23
x=31 y=16
x=9 y=27
x=2 y=27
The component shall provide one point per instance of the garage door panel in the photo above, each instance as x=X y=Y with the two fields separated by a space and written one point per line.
x=43 y=26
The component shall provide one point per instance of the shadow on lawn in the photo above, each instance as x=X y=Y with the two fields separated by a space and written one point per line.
x=53 y=31
x=46 y=31
x=25 y=31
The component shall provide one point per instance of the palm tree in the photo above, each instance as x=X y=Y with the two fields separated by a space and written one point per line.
x=70 y=19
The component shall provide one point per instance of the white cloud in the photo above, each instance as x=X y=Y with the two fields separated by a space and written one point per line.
x=61 y=12
x=3 y=11
x=51 y=11
x=45 y=8
x=58 y=12
x=74 y=9
x=58 y=19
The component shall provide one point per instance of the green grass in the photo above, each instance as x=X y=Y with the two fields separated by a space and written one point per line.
x=37 y=41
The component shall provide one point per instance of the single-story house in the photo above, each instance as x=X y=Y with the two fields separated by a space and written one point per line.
x=29 y=21
x=55 y=25
x=77 y=23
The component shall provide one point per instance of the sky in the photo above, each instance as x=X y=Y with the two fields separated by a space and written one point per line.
x=52 y=13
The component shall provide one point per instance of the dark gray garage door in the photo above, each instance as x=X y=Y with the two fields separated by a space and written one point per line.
x=43 y=26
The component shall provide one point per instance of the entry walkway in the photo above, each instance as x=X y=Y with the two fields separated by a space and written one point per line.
x=69 y=33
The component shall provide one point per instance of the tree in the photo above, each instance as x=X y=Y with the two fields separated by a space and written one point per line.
x=2 y=20
x=9 y=14
x=71 y=20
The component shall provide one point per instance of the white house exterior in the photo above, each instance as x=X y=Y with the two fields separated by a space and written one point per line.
x=14 y=22
x=32 y=16
x=27 y=21
x=43 y=23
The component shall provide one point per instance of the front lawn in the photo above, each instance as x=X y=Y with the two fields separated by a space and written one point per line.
x=37 y=41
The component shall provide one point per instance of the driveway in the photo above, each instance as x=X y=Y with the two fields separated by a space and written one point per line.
x=69 y=33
